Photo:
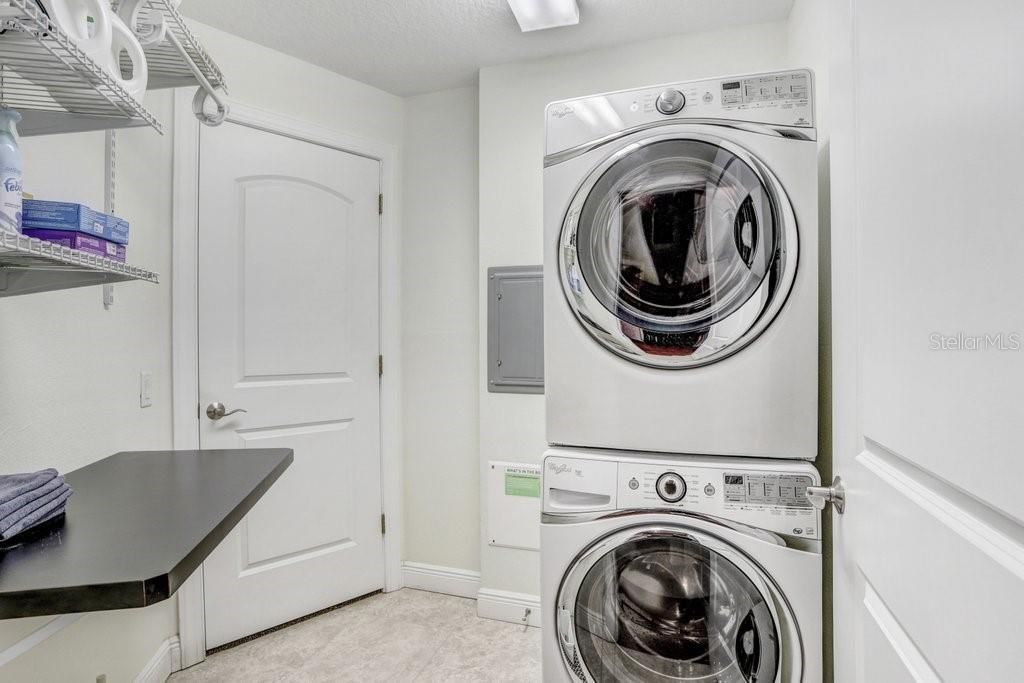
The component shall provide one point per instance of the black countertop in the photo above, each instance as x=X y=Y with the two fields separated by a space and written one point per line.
x=137 y=526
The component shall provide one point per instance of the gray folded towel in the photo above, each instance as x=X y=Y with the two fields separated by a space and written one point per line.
x=16 y=515
x=41 y=514
x=28 y=497
x=14 y=485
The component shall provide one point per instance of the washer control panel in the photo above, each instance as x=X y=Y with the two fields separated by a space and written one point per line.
x=767 y=499
x=787 y=490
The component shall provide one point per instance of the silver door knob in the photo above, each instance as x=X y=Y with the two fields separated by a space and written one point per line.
x=822 y=495
x=218 y=410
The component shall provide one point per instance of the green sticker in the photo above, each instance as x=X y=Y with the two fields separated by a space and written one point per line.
x=519 y=484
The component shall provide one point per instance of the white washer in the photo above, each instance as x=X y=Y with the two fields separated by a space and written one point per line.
x=679 y=569
x=681 y=268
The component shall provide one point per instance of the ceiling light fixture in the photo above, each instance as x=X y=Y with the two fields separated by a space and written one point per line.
x=535 y=15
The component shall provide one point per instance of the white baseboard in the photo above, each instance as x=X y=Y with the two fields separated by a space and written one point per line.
x=166 y=661
x=448 y=580
x=508 y=606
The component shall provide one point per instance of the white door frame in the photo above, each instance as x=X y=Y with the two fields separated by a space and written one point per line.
x=185 y=328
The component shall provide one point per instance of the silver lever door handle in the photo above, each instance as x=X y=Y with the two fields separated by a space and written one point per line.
x=822 y=495
x=218 y=410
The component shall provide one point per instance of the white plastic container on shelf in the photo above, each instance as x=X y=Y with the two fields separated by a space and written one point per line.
x=87 y=22
x=125 y=41
x=10 y=171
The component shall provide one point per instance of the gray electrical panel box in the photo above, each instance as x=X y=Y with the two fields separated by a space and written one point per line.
x=515 y=330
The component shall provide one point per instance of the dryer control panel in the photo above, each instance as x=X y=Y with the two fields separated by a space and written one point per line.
x=762 y=494
x=779 y=99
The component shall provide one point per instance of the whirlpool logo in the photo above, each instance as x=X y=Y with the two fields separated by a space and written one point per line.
x=564 y=468
x=561 y=111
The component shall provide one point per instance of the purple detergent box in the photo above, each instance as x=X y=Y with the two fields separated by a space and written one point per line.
x=81 y=242
x=76 y=218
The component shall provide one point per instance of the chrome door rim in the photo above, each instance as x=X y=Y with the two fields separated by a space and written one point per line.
x=725 y=337
x=573 y=578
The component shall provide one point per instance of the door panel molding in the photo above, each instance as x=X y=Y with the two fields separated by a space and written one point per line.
x=989 y=530
x=248 y=567
x=185 y=358
x=918 y=668
x=927 y=561
x=275 y=431
x=261 y=381
x=245 y=183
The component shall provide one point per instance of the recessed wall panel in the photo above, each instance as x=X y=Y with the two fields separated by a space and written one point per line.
x=295 y=294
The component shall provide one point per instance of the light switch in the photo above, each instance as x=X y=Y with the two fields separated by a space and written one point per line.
x=145 y=389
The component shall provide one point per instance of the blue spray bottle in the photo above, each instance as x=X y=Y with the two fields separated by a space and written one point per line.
x=10 y=171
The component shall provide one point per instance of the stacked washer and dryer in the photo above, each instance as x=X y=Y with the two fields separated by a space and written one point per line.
x=681 y=356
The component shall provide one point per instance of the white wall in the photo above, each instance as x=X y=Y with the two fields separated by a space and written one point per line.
x=264 y=78
x=69 y=370
x=512 y=100
x=70 y=377
x=439 y=330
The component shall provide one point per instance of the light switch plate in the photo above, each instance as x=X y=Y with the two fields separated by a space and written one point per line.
x=145 y=389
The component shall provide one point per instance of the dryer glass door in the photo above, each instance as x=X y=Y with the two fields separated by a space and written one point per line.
x=674 y=252
x=663 y=606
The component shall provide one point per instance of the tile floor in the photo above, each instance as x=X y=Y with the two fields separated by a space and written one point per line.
x=403 y=636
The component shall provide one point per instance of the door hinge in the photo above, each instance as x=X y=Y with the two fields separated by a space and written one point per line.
x=380 y=205
x=380 y=366
x=383 y=524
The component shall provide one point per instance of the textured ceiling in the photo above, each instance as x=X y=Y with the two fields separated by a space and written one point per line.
x=415 y=46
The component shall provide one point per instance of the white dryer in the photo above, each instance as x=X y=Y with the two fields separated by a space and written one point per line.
x=679 y=569
x=681 y=268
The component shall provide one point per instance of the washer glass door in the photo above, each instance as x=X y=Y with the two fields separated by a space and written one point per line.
x=675 y=252
x=663 y=606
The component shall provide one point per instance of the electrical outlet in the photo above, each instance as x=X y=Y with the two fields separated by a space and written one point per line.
x=145 y=389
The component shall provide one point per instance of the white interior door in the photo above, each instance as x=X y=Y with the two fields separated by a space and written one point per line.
x=289 y=331
x=928 y=241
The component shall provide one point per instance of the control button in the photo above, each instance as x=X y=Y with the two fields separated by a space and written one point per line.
x=709 y=490
x=670 y=102
x=670 y=487
x=634 y=484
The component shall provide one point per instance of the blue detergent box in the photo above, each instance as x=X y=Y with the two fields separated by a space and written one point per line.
x=43 y=215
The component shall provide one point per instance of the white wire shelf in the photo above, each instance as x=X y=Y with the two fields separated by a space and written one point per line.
x=29 y=265
x=179 y=59
x=170 y=67
x=55 y=86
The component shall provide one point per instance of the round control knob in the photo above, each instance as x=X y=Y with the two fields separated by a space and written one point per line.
x=670 y=102
x=670 y=487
